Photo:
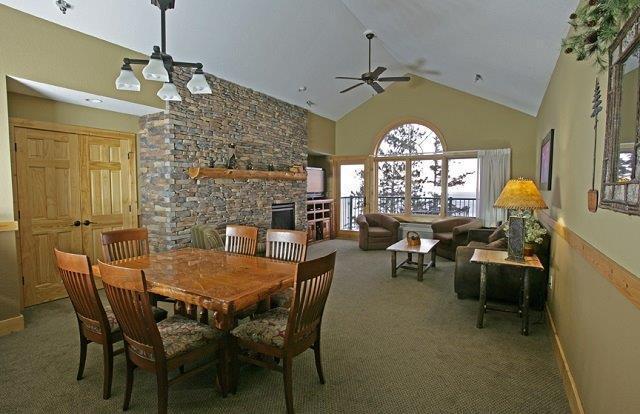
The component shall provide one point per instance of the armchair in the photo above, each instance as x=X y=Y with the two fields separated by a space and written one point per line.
x=452 y=232
x=377 y=231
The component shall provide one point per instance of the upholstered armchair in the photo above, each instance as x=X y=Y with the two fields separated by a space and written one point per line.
x=452 y=232
x=377 y=231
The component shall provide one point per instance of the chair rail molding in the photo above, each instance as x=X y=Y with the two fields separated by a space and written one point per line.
x=626 y=282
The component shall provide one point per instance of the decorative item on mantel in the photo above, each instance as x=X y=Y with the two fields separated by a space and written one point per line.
x=249 y=165
x=270 y=167
x=592 y=195
x=233 y=162
x=297 y=169
x=519 y=194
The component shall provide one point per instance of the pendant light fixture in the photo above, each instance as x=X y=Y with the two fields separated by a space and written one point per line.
x=160 y=65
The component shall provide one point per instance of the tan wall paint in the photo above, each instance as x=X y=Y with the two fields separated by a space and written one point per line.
x=596 y=324
x=35 y=49
x=322 y=134
x=466 y=122
x=40 y=109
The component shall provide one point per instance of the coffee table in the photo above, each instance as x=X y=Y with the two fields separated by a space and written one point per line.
x=425 y=246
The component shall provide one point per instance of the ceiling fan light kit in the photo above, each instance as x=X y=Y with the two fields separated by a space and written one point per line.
x=160 y=66
x=372 y=78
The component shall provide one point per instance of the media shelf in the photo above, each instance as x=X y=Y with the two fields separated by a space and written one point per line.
x=320 y=220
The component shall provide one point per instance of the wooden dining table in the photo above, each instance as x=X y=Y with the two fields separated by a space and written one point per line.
x=213 y=287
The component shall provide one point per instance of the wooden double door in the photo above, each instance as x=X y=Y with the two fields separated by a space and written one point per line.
x=72 y=184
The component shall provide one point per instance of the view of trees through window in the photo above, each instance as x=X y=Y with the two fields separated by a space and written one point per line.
x=426 y=186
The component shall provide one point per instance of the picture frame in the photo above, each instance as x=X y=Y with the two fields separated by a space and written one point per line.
x=546 y=162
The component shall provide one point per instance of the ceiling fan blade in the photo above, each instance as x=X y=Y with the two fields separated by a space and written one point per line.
x=378 y=71
x=346 y=77
x=395 y=79
x=352 y=87
x=377 y=87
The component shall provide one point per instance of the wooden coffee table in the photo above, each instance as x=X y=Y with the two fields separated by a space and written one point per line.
x=425 y=246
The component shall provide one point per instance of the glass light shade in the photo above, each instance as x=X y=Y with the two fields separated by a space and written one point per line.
x=169 y=92
x=198 y=84
x=155 y=71
x=127 y=81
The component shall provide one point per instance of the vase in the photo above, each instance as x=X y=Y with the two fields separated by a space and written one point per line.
x=529 y=249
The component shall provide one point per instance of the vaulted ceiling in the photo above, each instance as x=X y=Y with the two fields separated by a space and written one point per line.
x=278 y=46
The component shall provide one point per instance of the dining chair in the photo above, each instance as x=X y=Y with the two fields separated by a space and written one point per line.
x=157 y=348
x=285 y=333
x=96 y=323
x=126 y=244
x=289 y=245
x=241 y=240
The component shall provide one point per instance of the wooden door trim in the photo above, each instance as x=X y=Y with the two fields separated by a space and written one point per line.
x=71 y=129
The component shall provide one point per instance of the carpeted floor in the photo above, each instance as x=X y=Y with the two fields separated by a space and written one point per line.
x=389 y=346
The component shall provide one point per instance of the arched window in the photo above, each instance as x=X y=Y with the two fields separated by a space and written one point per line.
x=415 y=176
x=410 y=139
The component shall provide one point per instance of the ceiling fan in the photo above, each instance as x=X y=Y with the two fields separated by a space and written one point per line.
x=372 y=78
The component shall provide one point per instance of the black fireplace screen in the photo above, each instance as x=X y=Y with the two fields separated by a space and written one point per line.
x=283 y=216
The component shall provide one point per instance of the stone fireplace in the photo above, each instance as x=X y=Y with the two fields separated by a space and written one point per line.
x=264 y=130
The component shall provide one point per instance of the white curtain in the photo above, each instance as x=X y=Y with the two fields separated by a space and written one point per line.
x=494 y=170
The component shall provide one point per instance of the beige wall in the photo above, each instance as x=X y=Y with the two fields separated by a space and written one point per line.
x=40 y=109
x=598 y=327
x=465 y=122
x=322 y=134
x=35 y=49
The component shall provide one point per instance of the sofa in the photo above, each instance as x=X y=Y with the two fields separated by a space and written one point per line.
x=451 y=233
x=377 y=231
x=503 y=282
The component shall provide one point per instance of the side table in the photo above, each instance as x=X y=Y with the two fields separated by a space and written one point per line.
x=499 y=258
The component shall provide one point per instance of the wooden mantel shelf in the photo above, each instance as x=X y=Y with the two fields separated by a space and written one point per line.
x=203 y=172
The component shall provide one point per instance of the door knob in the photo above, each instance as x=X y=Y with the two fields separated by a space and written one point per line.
x=76 y=223
x=87 y=222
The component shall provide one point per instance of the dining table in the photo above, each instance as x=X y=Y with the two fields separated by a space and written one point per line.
x=213 y=287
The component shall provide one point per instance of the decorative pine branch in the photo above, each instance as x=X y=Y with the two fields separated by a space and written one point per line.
x=595 y=26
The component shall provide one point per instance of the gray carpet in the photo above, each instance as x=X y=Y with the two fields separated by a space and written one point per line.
x=389 y=346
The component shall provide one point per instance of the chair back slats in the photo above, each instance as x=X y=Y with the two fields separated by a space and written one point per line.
x=289 y=245
x=312 y=283
x=125 y=244
x=241 y=240
x=76 y=275
x=127 y=294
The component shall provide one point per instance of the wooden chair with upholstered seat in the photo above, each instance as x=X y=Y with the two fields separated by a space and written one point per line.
x=281 y=333
x=126 y=244
x=96 y=323
x=161 y=348
x=289 y=245
x=241 y=240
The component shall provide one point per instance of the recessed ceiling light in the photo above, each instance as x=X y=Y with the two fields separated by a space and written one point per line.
x=302 y=89
x=310 y=103
x=94 y=100
x=478 y=78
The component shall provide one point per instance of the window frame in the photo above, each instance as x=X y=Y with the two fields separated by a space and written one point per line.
x=443 y=156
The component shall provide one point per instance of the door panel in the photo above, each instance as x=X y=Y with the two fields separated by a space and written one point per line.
x=48 y=176
x=108 y=196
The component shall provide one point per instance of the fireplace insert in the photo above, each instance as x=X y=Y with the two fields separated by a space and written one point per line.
x=283 y=216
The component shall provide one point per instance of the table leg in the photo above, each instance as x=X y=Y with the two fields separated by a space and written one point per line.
x=482 y=303
x=525 y=304
x=393 y=264
x=433 y=257
x=409 y=257
x=226 y=378
x=420 y=266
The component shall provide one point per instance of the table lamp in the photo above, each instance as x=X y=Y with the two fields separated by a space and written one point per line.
x=519 y=194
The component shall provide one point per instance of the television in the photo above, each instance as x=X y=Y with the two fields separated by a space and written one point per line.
x=315 y=182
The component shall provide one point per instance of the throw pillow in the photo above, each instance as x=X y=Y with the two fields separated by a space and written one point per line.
x=496 y=235
x=499 y=244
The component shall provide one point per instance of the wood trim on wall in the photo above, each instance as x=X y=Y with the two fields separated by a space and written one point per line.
x=10 y=325
x=626 y=282
x=8 y=226
x=575 y=403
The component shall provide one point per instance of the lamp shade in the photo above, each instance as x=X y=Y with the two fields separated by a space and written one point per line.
x=198 y=84
x=520 y=194
x=155 y=71
x=127 y=81
x=169 y=92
